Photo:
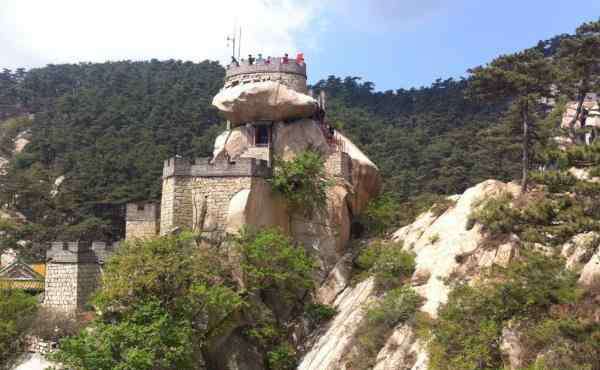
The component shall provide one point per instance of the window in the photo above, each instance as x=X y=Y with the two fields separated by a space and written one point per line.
x=262 y=135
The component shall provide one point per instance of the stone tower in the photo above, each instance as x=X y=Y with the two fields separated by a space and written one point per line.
x=73 y=273
x=141 y=220
x=291 y=73
x=196 y=194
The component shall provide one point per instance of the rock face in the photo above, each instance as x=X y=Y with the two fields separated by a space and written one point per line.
x=590 y=105
x=591 y=271
x=444 y=249
x=328 y=350
x=440 y=242
x=263 y=101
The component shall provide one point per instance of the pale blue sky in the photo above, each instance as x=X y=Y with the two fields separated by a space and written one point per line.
x=394 y=43
x=440 y=39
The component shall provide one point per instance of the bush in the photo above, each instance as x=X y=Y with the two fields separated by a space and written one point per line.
x=270 y=261
x=497 y=215
x=389 y=263
x=469 y=327
x=161 y=300
x=397 y=306
x=556 y=181
x=282 y=357
x=17 y=309
x=146 y=337
x=317 y=313
x=441 y=206
x=302 y=181
x=381 y=215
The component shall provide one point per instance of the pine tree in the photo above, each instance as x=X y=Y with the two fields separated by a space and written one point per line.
x=579 y=63
x=522 y=79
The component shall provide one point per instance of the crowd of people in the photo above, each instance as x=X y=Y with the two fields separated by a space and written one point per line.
x=259 y=60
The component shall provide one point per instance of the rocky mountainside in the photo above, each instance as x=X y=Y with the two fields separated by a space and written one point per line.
x=450 y=248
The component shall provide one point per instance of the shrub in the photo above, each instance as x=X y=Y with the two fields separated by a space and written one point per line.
x=441 y=206
x=389 y=263
x=469 y=327
x=17 y=309
x=397 y=306
x=302 y=181
x=161 y=299
x=317 y=313
x=496 y=215
x=434 y=238
x=381 y=215
x=556 y=181
x=282 y=357
x=269 y=260
x=146 y=337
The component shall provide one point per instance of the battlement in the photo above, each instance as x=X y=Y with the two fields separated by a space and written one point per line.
x=204 y=167
x=142 y=212
x=79 y=252
x=276 y=65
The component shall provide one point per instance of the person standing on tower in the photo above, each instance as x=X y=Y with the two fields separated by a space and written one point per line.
x=286 y=58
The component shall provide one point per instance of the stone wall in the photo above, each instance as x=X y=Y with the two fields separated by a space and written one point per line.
x=176 y=204
x=196 y=195
x=293 y=81
x=68 y=286
x=339 y=164
x=210 y=199
x=141 y=220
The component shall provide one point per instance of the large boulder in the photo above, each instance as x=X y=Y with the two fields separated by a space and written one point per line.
x=366 y=180
x=268 y=101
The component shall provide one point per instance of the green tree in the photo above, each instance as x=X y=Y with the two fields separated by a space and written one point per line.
x=578 y=61
x=524 y=79
x=17 y=310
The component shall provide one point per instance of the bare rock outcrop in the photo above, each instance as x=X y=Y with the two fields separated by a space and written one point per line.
x=443 y=244
x=268 y=100
x=445 y=250
x=329 y=348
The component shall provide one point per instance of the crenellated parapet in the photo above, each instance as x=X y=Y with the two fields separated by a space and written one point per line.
x=79 y=252
x=205 y=167
x=73 y=273
x=290 y=73
x=272 y=65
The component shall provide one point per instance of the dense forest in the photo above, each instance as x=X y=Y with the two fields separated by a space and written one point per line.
x=108 y=127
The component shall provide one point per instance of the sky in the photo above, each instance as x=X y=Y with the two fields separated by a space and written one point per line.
x=395 y=44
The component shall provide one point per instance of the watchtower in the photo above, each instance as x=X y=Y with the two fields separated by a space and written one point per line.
x=196 y=194
x=73 y=273
x=289 y=72
x=141 y=220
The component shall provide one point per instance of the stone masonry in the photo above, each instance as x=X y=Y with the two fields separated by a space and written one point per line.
x=291 y=74
x=73 y=273
x=142 y=220
x=196 y=195
x=339 y=164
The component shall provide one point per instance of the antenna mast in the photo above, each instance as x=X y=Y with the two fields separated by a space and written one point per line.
x=240 y=44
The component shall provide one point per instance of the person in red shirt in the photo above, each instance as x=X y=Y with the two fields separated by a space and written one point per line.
x=300 y=58
x=286 y=58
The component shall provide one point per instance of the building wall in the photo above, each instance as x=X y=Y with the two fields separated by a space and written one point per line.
x=211 y=197
x=339 y=164
x=68 y=286
x=293 y=81
x=176 y=204
x=142 y=220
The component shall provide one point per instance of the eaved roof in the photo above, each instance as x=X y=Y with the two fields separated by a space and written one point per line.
x=19 y=275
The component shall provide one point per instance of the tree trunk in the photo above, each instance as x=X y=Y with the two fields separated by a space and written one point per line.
x=581 y=93
x=524 y=178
